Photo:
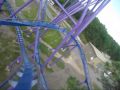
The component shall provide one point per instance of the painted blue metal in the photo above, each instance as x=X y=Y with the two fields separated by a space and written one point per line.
x=43 y=80
x=26 y=79
x=41 y=15
x=83 y=58
x=15 y=22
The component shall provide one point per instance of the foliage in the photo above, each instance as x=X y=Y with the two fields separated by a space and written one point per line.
x=83 y=38
x=29 y=39
x=97 y=34
x=73 y=84
x=112 y=81
x=59 y=63
x=35 y=87
x=44 y=49
x=96 y=87
x=19 y=2
x=62 y=1
x=49 y=70
x=9 y=50
x=77 y=15
x=53 y=38
x=27 y=13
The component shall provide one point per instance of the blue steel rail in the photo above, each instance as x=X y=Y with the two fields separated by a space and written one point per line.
x=27 y=76
x=84 y=61
x=16 y=22
x=42 y=10
x=56 y=27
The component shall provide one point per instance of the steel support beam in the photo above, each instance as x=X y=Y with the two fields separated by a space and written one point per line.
x=38 y=24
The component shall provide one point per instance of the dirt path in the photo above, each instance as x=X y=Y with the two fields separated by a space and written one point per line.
x=59 y=77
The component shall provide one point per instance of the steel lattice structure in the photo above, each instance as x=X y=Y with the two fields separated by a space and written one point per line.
x=88 y=8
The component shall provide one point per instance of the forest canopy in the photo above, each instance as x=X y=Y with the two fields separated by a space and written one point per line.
x=98 y=35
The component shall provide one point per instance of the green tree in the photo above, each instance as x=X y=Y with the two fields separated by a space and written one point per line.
x=62 y=1
x=112 y=81
x=97 y=34
x=73 y=84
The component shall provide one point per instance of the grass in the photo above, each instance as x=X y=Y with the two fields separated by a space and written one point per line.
x=52 y=12
x=29 y=39
x=8 y=50
x=47 y=19
x=23 y=27
x=48 y=52
x=28 y=15
x=66 y=55
x=73 y=84
x=35 y=87
x=16 y=78
x=82 y=37
x=53 y=38
x=66 y=25
x=19 y=2
x=49 y=70
x=31 y=13
x=44 y=49
x=96 y=87
x=60 y=64
x=5 y=87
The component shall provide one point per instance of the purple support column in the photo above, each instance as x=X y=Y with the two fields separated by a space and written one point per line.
x=95 y=5
x=65 y=11
x=62 y=56
x=70 y=8
x=20 y=8
x=82 y=16
x=65 y=39
x=44 y=10
x=72 y=31
x=71 y=11
x=1 y=3
x=84 y=12
x=88 y=19
x=41 y=16
x=36 y=51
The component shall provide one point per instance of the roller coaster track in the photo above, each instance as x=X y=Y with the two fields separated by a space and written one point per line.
x=26 y=79
x=25 y=82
